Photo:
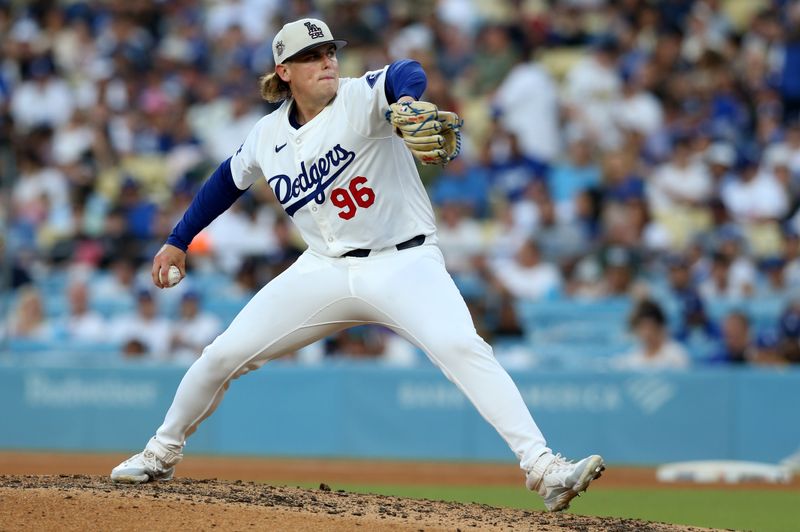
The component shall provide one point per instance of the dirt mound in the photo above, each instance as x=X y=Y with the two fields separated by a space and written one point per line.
x=81 y=502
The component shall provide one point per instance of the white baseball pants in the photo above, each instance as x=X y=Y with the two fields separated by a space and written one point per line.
x=408 y=291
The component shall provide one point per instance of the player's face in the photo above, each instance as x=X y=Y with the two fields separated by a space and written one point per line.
x=314 y=73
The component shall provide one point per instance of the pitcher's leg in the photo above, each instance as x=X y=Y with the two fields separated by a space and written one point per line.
x=207 y=380
x=274 y=322
x=420 y=300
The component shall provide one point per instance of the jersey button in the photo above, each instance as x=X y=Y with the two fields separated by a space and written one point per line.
x=330 y=239
x=314 y=209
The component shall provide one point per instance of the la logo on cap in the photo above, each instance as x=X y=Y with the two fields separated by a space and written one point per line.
x=313 y=30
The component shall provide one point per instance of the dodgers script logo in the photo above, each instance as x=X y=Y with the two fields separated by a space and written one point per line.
x=316 y=178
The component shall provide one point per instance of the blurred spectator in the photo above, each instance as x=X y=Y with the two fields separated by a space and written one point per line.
x=116 y=240
x=718 y=285
x=527 y=276
x=504 y=235
x=243 y=230
x=494 y=58
x=693 y=319
x=43 y=99
x=81 y=322
x=757 y=200
x=537 y=139
x=630 y=224
x=460 y=238
x=525 y=210
x=743 y=273
x=585 y=280
x=143 y=333
x=561 y=238
x=227 y=136
x=410 y=39
x=138 y=209
x=619 y=271
x=511 y=172
x=610 y=273
x=209 y=111
x=575 y=173
x=593 y=86
x=193 y=330
x=637 y=109
x=737 y=345
x=620 y=181
x=774 y=285
x=41 y=194
x=118 y=285
x=27 y=320
x=677 y=194
x=463 y=183
x=73 y=140
x=656 y=351
x=454 y=52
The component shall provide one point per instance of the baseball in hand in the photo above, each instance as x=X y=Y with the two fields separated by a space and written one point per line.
x=174 y=276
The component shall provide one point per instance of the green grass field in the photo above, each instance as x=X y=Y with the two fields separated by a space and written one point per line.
x=759 y=510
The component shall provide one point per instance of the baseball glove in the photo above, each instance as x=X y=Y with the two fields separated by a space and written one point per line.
x=433 y=136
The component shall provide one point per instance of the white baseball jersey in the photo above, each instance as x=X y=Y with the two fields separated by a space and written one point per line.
x=346 y=179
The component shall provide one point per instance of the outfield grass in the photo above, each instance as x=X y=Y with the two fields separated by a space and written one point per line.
x=768 y=511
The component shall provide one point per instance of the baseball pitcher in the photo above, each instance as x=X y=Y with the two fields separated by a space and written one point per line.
x=339 y=156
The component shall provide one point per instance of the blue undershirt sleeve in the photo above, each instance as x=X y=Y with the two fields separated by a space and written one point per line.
x=404 y=78
x=215 y=197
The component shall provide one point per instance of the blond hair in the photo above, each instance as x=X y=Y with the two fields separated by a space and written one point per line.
x=273 y=88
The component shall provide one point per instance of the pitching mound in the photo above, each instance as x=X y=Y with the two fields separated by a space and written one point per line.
x=80 y=502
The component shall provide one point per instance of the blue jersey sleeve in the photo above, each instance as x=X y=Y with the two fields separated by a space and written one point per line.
x=215 y=197
x=404 y=78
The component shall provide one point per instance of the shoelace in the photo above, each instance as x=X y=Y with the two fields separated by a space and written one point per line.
x=559 y=464
x=150 y=460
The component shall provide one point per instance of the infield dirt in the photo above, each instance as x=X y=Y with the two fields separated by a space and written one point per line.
x=82 y=502
x=71 y=491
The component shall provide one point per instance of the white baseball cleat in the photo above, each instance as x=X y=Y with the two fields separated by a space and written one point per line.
x=146 y=467
x=559 y=481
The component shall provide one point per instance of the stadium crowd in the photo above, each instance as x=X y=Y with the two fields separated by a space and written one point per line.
x=628 y=184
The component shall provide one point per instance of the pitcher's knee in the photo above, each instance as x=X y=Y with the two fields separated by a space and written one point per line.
x=460 y=347
x=222 y=360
